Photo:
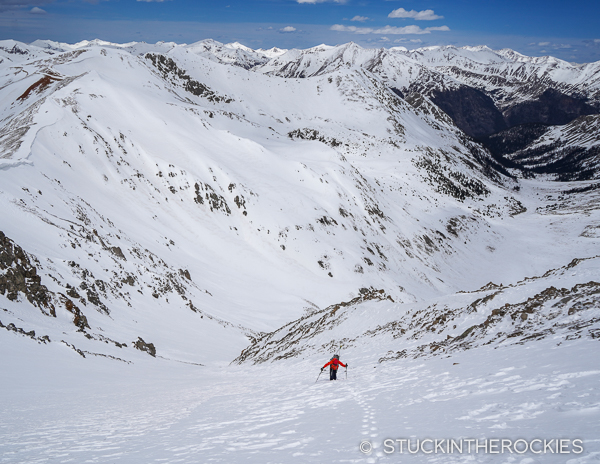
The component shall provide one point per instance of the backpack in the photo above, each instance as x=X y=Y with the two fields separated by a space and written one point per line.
x=335 y=364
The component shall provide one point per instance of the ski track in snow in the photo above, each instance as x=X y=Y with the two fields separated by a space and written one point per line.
x=162 y=413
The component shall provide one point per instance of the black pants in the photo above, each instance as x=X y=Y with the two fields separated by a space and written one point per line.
x=332 y=374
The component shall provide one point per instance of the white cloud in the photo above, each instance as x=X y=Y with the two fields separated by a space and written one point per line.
x=425 y=15
x=37 y=11
x=387 y=29
x=555 y=45
x=440 y=28
x=359 y=18
x=288 y=29
x=405 y=40
x=357 y=30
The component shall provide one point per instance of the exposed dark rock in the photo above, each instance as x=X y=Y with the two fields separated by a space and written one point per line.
x=513 y=139
x=77 y=350
x=240 y=201
x=215 y=201
x=15 y=50
x=169 y=70
x=471 y=110
x=397 y=92
x=533 y=319
x=569 y=163
x=18 y=275
x=327 y=221
x=517 y=127
x=31 y=333
x=79 y=318
x=141 y=345
x=118 y=252
x=198 y=198
x=551 y=108
x=39 y=86
x=584 y=189
x=185 y=273
x=72 y=292
x=94 y=298
x=292 y=339
x=447 y=181
x=129 y=280
x=313 y=134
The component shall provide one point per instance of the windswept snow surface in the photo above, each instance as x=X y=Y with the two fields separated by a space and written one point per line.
x=80 y=410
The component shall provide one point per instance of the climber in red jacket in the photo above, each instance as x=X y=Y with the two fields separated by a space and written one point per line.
x=334 y=364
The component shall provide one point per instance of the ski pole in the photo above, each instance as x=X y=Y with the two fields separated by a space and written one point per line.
x=319 y=376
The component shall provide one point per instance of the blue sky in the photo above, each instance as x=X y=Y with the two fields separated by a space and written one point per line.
x=568 y=30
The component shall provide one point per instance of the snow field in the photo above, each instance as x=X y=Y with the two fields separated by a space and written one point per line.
x=156 y=411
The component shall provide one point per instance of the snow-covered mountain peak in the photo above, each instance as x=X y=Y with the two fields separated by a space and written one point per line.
x=477 y=48
x=100 y=43
x=324 y=47
x=232 y=54
x=272 y=52
x=512 y=54
x=452 y=55
x=239 y=46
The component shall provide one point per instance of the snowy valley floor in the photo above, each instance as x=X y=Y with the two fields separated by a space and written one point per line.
x=63 y=408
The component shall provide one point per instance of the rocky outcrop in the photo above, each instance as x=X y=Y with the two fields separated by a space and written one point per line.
x=570 y=152
x=170 y=71
x=535 y=308
x=141 y=345
x=11 y=327
x=546 y=314
x=513 y=135
x=551 y=108
x=18 y=275
x=472 y=111
x=292 y=339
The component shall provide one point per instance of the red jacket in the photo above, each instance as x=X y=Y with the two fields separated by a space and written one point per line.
x=335 y=363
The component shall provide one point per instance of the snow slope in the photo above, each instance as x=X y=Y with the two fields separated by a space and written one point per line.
x=102 y=198
x=164 y=412
x=112 y=186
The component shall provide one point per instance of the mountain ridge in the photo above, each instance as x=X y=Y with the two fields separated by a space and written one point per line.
x=191 y=197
